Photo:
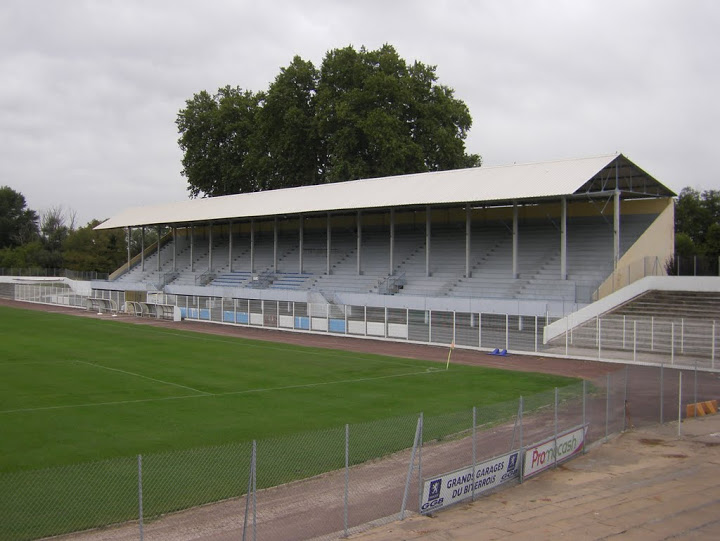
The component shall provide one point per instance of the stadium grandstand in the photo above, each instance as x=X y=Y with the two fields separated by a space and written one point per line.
x=533 y=239
x=565 y=257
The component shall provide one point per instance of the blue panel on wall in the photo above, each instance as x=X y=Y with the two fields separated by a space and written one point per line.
x=337 y=325
x=302 y=322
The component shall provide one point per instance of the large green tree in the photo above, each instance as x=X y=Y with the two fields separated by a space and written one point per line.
x=18 y=224
x=697 y=215
x=361 y=114
x=85 y=249
x=697 y=230
x=218 y=139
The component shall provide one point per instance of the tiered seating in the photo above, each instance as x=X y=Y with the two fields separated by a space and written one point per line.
x=589 y=249
x=343 y=270
x=290 y=280
x=233 y=279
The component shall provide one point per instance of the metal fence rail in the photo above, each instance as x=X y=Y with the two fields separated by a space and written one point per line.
x=332 y=482
x=679 y=342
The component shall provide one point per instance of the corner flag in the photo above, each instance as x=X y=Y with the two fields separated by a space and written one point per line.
x=452 y=347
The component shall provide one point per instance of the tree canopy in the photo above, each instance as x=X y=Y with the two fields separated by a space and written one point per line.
x=18 y=224
x=360 y=114
x=697 y=222
x=697 y=230
x=51 y=241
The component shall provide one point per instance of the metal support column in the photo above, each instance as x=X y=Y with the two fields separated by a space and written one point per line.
x=468 y=233
x=515 y=241
x=192 y=248
x=142 y=248
x=275 y=244
x=252 y=245
x=616 y=227
x=174 y=235
x=210 y=243
x=301 y=238
x=328 y=236
x=230 y=245
x=428 y=217
x=359 y=242
x=563 y=238
x=392 y=242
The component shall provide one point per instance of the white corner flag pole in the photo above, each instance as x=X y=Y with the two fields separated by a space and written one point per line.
x=452 y=346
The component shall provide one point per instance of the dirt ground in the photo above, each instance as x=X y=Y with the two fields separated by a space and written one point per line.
x=289 y=505
x=646 y=484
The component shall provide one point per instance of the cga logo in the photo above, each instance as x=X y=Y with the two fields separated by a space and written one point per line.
x=434 y=492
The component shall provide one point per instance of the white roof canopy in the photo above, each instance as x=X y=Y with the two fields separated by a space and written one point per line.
x=590 y=177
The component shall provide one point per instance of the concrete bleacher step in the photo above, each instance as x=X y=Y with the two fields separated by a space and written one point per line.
x=589 y=260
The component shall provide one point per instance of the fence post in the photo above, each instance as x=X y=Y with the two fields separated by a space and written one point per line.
x=679 y=403
x=652 y=333
x=454 y=323
x=429 y=326
x=474 y=444
x=662 y=389
x=140 y=498
x=599 y=333
x=672 y=342
x=625 y=408
x=536 y=344
x=584 y=418
x=695 y=400
x=623 y=334
x=407 y=322
x=420 y=446
x=252 y=486
x=634 y=340
x=410 y=468
x=521 y=459
x=607 y=405
x=556 y=429
x=479 y=329
x=712 y=355
x=347 y=476
x=507 y=331
x=682 y=335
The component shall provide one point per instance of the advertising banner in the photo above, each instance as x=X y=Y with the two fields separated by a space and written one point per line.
x=450 y=488
x=541 y=456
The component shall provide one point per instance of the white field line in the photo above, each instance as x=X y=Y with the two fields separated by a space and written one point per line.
x=229 y=393
x=141 y=376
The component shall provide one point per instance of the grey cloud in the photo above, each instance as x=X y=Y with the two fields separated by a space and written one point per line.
x=90 y=90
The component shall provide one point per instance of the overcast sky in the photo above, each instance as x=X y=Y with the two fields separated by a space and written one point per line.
x=90 y=90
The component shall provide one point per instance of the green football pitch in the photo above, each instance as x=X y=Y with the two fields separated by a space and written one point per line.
x=77 y=389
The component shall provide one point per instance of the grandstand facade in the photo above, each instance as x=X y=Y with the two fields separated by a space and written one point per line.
x=533 y=239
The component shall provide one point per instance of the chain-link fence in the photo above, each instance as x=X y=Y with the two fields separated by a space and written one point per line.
x=329 y=483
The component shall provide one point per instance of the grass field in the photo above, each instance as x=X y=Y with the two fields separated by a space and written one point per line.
x=81 y=398
x=76 y=389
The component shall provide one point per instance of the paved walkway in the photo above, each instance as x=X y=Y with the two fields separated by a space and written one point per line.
x=645 y=484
